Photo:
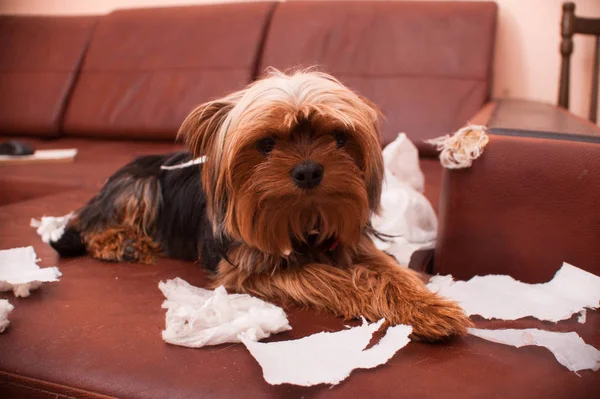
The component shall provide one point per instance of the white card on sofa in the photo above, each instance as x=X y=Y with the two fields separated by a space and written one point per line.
x=66 y=155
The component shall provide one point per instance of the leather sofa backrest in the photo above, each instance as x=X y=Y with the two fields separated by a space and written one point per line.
x=146 y=69
x=426 y=65
x=39 y=59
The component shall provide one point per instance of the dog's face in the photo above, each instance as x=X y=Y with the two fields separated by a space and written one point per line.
x=290 y=156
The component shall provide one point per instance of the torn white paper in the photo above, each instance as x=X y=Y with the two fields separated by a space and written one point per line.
x=197 y=317
x=41 y=155
x=326 y=358
x=406 y=215
x=462 y=148
x=20 y=273
x=502 y=297
x=5 y=309
x=196 y=161
x=51 y=228
x=569 y=348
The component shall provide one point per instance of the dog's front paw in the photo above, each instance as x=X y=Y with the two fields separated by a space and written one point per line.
x=440 y=319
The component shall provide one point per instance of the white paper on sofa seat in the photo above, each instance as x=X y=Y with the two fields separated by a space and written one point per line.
x=406 y=214
x=51 y=228
x=42 y=156
x=5 y=309
x=327 y=357
x=502 y=297
x=20 y=273
x=569 y=348
x=198 y=317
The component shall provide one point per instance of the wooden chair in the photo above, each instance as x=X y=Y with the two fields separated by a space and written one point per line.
x=571 y=25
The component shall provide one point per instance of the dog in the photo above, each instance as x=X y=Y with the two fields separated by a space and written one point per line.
x=279 y=208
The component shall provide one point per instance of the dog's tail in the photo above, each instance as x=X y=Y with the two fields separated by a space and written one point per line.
x=70 y=244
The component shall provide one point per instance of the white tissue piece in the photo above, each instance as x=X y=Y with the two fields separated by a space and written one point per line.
x=502 y=297
x=5 y=309
x=401 y=160
x=198 y=317
x=20 y=273
x=326 y=358
x=406 y=215
x=51 y=228
x=569 y=348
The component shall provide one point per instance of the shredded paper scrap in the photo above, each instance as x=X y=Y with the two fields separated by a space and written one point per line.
x=462 y=148
x=327 y=357
x=502 y=297
x=20 y=273
x=568 y=348
x=51 y=228
x=197 y=317
x=5 y=309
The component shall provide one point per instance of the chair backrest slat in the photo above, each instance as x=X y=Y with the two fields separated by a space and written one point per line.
x=571 y=25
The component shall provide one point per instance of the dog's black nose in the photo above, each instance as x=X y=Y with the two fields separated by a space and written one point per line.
x=307 y=174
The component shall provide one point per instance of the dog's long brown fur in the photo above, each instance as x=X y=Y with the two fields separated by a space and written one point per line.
x=374 y=287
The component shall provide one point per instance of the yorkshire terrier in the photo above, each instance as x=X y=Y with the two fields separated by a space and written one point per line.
x=279 y=208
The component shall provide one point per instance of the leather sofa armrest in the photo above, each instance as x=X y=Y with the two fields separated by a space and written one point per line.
x=529 y=203
x=483 y=115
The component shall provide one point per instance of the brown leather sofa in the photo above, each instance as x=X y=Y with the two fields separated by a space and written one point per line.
x=117 y=86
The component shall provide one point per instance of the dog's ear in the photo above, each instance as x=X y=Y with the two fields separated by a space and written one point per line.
x=199 y=130
x=374 y=169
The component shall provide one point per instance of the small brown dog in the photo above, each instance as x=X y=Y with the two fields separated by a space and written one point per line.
x=292 y=175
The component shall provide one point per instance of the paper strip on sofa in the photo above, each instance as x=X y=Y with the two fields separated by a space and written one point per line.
x=198 y=317
x=20 y=273
x=502 y=297
x=327 y=357
x=569 y=348
x=67 y=155
x=5 y=309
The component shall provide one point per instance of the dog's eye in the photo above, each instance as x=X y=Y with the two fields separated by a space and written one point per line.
x=265 y=145
x=340 y=138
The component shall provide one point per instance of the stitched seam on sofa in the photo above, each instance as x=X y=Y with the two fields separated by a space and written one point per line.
x=260 y=49
x=74 y=79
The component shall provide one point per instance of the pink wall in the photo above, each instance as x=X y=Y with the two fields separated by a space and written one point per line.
x=527 y=62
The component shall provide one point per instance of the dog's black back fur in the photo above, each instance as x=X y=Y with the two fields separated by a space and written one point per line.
x=181 y=213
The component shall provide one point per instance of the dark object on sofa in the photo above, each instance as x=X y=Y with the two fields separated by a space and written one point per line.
x=16 y=148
